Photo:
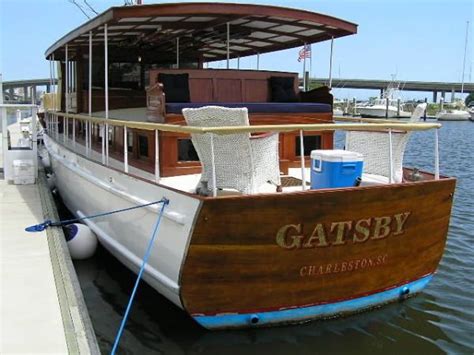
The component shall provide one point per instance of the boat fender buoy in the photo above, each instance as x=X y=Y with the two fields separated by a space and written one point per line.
x=51 y=181
x=44 y=157
x=254 y=319
x=81 y=241
x=404 y=292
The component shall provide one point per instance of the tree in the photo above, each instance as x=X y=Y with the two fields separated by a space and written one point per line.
x=469 y=99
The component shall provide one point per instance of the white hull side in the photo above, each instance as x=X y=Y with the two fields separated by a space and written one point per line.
x=453 y=116
x=379 y=111
x=89 y=188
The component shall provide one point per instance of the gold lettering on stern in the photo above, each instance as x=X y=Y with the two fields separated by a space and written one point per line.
x=382 y=227
x=362 y=232
x=400 y=220
x=282 y=236
x=318 y=235
x=366 y=263
x=292 y=236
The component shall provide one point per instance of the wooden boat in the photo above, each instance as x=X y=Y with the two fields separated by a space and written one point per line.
x=231 y=259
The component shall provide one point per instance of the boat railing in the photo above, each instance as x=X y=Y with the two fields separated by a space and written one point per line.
x=52 y=123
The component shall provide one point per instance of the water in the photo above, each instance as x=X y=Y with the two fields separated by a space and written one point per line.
x=439 y=320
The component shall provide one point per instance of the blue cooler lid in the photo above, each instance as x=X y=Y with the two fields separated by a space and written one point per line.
x=336 y=155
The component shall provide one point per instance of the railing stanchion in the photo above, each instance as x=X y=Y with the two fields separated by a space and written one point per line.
x=214 y=178
x=436 y=155
x=157 y=157
x=303 y=168
x=65 y=124
x=74 y=132
x=125 y=149
x=390 y=157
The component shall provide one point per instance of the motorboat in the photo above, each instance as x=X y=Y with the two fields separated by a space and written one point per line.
x=453 y=115
x=388 y=106
x=250 y=236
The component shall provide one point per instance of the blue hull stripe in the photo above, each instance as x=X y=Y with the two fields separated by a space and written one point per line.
x=295 y=315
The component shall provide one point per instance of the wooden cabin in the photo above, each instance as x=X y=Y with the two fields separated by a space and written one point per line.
x=155 y=67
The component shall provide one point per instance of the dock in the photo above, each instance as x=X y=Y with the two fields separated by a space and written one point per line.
x=42 y=307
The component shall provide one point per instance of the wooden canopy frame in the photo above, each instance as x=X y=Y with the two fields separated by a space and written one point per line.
x=152 y=31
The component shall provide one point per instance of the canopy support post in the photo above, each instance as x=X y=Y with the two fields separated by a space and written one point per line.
x=66 y=90
x=177 y=53
x=125 y=149
x=105 y=136
x=89 y=104
x=330 y=62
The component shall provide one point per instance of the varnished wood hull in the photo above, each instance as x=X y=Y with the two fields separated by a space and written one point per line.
x=286 y=258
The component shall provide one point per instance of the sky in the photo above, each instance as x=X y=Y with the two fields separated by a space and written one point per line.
x=412 y=39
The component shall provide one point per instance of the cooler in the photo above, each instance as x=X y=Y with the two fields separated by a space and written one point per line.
x=335 y=168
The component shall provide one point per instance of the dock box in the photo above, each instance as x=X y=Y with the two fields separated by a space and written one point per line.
x=335 y=168
x=23 y=172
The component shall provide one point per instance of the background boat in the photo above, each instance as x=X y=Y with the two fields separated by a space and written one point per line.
x=379 y=108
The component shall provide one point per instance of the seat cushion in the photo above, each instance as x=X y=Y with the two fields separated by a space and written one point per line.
x=255 y=107
x=283 y=89
x=175 y=86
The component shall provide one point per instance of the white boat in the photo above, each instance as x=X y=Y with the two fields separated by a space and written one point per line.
x=453 y=115
x=337 y=112
x=243 y=241
x=378 y=108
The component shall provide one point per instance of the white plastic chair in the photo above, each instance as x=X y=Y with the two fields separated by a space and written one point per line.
x=242 y=162
x=375 y=148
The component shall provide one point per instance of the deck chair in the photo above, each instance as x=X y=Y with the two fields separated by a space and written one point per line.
x=375 y=148
x=242 y=162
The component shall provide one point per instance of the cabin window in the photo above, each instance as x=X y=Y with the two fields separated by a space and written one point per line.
x=310 y=143
x=143 y=146
x=124 y=75
x=186 y=151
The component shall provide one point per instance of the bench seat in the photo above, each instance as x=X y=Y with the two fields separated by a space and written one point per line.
x=255 y=107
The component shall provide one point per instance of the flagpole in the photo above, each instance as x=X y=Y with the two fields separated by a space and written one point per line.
x=304 y=67
x=310 y=64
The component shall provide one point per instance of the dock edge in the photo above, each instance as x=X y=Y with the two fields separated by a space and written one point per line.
x=78 y=329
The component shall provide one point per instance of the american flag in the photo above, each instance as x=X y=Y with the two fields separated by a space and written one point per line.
x=304 y=52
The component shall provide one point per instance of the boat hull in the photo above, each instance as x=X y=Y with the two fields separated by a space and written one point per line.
x=291 y=258
x=380 y=112
x=453 y=116
x=88 y=188
x=242 y=261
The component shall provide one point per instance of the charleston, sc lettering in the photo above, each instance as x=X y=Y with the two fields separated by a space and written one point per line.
x=344 y=266
x=291 y=236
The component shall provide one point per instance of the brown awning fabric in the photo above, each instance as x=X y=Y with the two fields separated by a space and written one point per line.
x=151 y=31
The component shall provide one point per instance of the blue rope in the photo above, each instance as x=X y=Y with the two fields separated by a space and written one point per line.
x=48 y=223
x=142 y=268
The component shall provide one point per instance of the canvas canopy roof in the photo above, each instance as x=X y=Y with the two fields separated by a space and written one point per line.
x=151 y=31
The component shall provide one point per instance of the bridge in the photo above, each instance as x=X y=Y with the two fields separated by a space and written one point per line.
x=22 y=91
x=29 y=87
x=381 y=85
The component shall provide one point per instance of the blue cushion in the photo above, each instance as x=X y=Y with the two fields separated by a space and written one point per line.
x=255 y=107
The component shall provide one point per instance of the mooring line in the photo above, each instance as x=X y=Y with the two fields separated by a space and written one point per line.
x=48 y=223
x=142 y=268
